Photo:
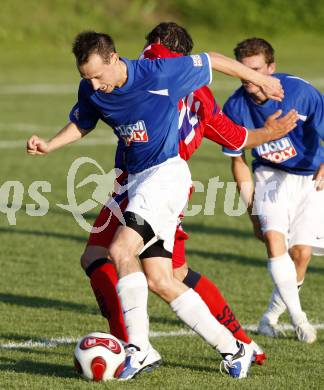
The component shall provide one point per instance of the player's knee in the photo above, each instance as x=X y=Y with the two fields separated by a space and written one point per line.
x=119 y=254
x=85 y=261
x=160 y=285
x=91 y=254
x=301 y=255
x=275 y=243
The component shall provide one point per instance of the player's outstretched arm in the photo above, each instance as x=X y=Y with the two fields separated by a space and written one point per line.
x=70 y=133
x=274 y=128
x=270 y=86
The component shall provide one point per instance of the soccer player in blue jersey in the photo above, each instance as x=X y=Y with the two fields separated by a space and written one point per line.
x=139 y=99
x=288 y=211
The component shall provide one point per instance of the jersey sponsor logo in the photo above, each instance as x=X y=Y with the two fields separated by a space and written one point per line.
x=197 y=61
x=133 y=133
x=277 y=151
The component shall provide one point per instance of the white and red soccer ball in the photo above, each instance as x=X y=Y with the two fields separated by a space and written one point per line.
x=99 y=356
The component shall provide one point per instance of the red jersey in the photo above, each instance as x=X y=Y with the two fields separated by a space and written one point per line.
x=200 y=116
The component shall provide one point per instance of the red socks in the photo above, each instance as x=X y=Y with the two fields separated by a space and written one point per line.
x=216 y=304
x=103 y=279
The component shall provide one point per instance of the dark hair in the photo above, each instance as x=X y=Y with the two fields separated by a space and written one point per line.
x=90 y=42
x=172 y=36
x=254 y=46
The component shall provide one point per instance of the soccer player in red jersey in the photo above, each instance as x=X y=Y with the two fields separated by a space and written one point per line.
x=199 y=117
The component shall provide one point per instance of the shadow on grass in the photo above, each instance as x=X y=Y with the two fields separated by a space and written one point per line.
x=200 y=368
x=221 y=231
x=228 y=257
x=240 y=259
x=40 y=302
x=38 y=368
x=41 y=233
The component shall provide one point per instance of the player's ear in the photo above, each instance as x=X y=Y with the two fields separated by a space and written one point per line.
x=272 y=67
x=114 y=58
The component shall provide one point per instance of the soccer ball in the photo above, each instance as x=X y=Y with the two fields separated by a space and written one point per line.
x=99 y=356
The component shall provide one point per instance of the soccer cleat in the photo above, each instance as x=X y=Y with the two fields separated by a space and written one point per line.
x=259 y=355
x=137 y=361
x=270 y=329
x=238 y=365
x=305 y=331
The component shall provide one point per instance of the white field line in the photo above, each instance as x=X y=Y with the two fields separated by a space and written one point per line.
x=18 y=144
x=38 y=89
x=68 y=89
x=51 y=343
x=31 y=128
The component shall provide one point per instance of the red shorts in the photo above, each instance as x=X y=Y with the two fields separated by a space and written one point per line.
x=105 y=237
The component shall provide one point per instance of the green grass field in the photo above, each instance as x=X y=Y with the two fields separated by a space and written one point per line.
x=44 y=294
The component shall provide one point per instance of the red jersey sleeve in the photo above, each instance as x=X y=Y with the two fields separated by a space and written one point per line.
x=224 y=131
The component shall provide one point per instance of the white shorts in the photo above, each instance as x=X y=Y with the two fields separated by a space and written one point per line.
x=289 y=204
x=158 y=195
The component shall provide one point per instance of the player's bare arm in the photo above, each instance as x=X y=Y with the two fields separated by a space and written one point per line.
x=245 y=186
x=319 y=178
x=269 y=85
x=70 y=133
x=274 y=128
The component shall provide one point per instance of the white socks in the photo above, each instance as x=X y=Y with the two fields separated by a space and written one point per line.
x=283 y=273
x=189 y=307
x=133 y=292
x=276 y=305
x=193 y=311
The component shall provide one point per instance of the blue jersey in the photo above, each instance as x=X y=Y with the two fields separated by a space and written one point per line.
x=299 y=152
x=143 y=112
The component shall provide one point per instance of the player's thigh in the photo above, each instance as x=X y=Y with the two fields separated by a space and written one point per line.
x=126 y=242
x=107 y=222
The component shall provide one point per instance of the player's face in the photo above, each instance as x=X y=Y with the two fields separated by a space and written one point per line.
x=257 y=63
x=102 y=76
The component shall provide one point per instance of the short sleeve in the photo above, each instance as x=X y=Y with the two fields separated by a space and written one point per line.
x=83 y=114
x=186 y=74
x=232 y=153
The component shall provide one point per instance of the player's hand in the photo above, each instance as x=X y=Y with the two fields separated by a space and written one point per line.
x=319 y=178
x=279 y=127
x=272 y=88
x=37 y=146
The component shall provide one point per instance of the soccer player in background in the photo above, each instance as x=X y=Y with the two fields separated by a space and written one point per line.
x=289 y=178
x=200 y=117
x=139 y=99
